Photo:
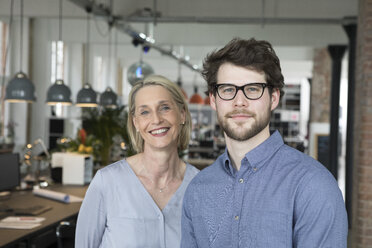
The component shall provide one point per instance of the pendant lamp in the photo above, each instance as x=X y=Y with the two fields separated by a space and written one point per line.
x=207 y=100
x=108 y=98
x=20 y=88
x=87 y=97
x=59 y=93
x=196 y=98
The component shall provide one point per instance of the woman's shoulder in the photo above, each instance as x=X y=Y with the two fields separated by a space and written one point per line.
x=191 y=171
x=114 y=169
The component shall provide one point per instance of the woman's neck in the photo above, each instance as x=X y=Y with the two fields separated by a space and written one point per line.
x=161 y=164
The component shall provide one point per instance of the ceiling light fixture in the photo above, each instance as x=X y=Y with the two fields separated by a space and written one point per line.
x=87 y=97
x=59 y=93
x=20 y=88
x=108 y=99
x=196 y=98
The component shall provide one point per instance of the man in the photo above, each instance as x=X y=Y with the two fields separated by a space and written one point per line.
x=260 y=192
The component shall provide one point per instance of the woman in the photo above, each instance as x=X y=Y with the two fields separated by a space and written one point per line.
x=137 y=202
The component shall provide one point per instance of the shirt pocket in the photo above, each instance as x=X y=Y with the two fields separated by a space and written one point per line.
x=125 y=232
x=268 y=230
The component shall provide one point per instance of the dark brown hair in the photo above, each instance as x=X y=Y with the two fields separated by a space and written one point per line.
x=252 y=54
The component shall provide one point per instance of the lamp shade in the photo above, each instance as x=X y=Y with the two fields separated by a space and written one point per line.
x=20 y=89
x=207 y=100
x=196 y=98
x=138 y=71
x=59 y=93
x=86 y=97
x=108 y=99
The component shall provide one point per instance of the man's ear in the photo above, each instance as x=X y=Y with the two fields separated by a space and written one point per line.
x=275 y=98
x=212 y=100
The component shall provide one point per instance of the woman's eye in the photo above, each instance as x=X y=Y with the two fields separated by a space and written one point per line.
x=165 y=107
x=144 y=112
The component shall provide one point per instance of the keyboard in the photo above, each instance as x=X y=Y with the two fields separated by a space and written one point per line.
x=33 y=210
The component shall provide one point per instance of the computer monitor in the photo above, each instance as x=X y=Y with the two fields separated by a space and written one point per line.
x=9 y=171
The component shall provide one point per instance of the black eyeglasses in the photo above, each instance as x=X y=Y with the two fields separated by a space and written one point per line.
x=252 y=91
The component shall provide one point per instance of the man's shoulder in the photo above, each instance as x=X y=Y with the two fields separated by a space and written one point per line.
x=292 y=156
x=309 y=169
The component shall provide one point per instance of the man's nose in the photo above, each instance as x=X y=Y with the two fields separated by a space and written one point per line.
x=240 y=99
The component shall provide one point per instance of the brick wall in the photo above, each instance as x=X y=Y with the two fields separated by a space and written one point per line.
x=321 y=86
x=362 y=171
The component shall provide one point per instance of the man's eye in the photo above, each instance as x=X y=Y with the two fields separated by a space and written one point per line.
x=228 y=90
x=252 y=89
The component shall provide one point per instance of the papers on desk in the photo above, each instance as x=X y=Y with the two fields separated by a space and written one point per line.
x=58 y=196
x=18 y=222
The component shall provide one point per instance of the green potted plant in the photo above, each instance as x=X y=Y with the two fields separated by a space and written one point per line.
x=104 y=124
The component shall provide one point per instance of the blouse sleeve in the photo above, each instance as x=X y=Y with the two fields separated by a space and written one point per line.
x=92 y=215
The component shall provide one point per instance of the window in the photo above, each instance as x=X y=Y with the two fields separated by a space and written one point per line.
x=4 y=72
x=58 y=69
x=57 y=59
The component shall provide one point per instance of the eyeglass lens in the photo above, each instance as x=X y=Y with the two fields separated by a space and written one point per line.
x=252 y=91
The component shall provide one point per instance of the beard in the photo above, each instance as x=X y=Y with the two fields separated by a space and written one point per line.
x=240 y=131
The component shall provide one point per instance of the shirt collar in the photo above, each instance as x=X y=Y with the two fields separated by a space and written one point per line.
x=256 y=156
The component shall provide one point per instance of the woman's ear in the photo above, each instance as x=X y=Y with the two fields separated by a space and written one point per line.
x=183 y=116
x=135 y=122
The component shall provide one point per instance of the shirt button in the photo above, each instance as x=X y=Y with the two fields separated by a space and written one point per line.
x=236 y=217
x=241 y=180
x=255 y=168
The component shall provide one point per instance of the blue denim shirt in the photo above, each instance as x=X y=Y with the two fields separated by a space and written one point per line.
x=280 y=197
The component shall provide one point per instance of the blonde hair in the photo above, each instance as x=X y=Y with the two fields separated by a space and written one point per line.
x=176 y=94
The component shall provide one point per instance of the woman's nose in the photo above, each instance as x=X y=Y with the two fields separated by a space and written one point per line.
x=156 y=118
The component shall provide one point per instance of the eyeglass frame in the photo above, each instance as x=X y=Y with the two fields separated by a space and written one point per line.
x=237 y=88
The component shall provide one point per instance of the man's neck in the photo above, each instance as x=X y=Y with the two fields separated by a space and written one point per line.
x=238 y=149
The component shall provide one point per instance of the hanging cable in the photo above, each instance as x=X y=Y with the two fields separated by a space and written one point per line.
x=59 y=39
x=109 y=55
x=21 y=40
x=263 y=14
x=87 y=49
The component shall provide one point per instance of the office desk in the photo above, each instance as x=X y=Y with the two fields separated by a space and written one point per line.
x=59 y=212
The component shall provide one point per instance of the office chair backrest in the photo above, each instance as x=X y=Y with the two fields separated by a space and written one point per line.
x=65 y=233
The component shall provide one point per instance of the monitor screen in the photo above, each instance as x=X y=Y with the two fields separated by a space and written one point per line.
x=9 y=171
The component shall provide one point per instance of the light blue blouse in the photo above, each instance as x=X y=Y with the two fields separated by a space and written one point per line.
x=117 y=211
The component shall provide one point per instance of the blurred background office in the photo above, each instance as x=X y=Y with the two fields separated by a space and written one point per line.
x=67 y=67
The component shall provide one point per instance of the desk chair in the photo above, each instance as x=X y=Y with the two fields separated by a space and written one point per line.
x=65 y=233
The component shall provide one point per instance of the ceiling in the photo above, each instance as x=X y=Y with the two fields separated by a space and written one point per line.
x=196 y=27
